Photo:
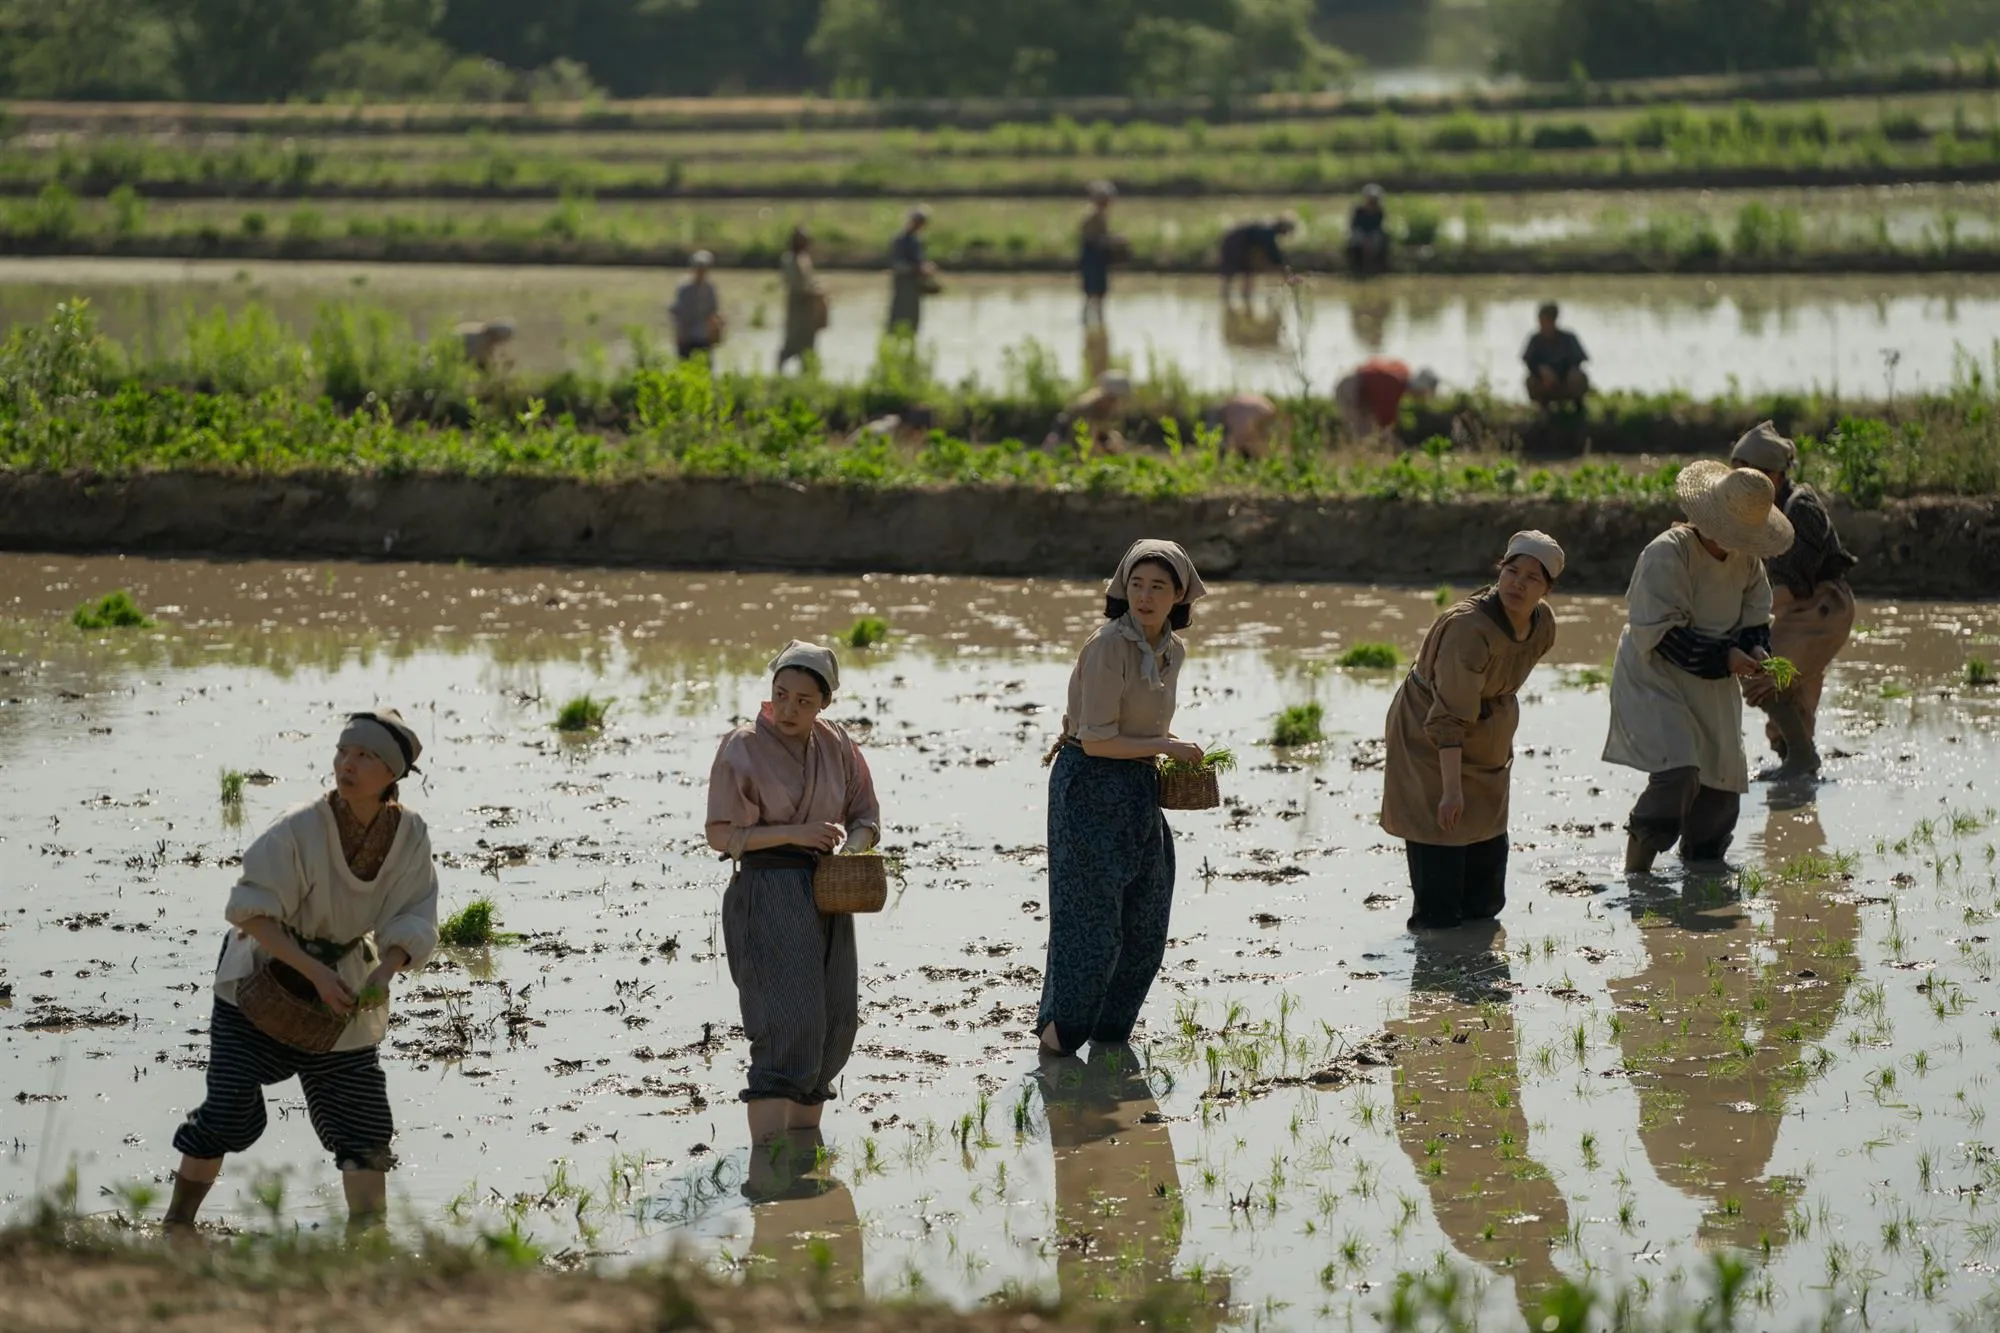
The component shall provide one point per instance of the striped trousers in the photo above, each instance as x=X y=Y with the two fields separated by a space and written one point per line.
x=347 y=1095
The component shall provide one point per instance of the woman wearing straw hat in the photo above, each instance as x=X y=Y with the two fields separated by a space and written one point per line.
x=1812 y=608
x=1451 y=737
x=335 y=898
x=1111 y=854
x=786 y=788
x=1698 y=613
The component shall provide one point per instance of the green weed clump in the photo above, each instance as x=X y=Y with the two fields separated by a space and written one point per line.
x=582 y=713
x=1371 y=657
x=1298 y=725
x=470 y=927
x=232 y=787
x=1219 y=760
x=114 y=610
x=867 y=632
x=1979 y=673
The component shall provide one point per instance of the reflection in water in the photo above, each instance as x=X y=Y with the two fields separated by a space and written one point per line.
x=1458 y=1108
x=1119 y=1212
x=1096 y=350
x=1368 y=320
x=807 y=1232
x=1715 y=1028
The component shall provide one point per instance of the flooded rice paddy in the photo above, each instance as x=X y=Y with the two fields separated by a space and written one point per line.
x=1793 y=1061
x=1862 y=336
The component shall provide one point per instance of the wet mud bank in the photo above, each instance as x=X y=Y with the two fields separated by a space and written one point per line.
x=1936 y=547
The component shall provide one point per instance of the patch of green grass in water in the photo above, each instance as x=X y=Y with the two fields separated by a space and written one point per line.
x=232 y=786
x=867 y=632
x=472 y=927
x=1299 y=725
x=582 y=713
x=114 y=610
x=1372 y=657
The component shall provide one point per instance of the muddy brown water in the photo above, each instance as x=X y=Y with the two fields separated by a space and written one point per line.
x=1704 y=336
x=1627 y=1077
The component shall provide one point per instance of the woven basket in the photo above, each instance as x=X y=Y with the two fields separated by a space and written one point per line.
x=1185 y=789
x=283 y=1005
x=856 y=883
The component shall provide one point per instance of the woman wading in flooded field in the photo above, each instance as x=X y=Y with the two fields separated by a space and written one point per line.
x=1451 y=738
x=335 y=898
x=1111 y=854
x=1699 y=612
x=786 y=789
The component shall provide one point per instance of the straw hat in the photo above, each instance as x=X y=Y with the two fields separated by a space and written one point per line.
x=1733 y=507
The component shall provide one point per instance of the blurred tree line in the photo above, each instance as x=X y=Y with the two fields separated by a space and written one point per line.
x=1553 y=40
x=266 y=50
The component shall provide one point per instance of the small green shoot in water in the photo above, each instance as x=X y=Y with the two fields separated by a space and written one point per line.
x=1782 y=671
x=1893 y=689
x=1371 y=657
x=867 y=632
x=1979 y=673
x=114 y=610
x=232 y=786
x=1220 y=760
x=1589 y=678
x=582 y=713
x=1299 y=725
x=470 y=927
x=1444 y=596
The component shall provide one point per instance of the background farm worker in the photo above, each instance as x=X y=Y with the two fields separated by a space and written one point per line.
x=1111 y=854
x=1102 y=408
x=697 y=309
x=912 y=276
x=1554 y=358
x=805 y=300
x=1251 y=246
x=787 y=788
x=1368 y=234
x=1812 y=608
x=1097 y=250
x=1245 y=420
x=336 y=898
x=483 y=339
x=1451 y=737
x=1370 y=398
x=1698 y=613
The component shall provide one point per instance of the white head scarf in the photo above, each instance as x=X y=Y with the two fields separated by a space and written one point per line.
x=1191 y=590
x=810 y=657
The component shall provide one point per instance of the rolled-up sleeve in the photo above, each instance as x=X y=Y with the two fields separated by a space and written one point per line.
x=1661 y=596
x=864 y=810
x=414 y=926
x=1458 y=683
x=273 y=880
x=733 y=809
x=1101 y=672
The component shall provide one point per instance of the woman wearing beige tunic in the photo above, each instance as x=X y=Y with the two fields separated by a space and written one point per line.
x=1698 y=613
x=805 y=300
x=1812 y=608
x=786 y=789
x=1451 y=738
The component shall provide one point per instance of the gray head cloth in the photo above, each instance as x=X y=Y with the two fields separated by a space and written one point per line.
x=1539 y=545
x=384 y=734
x=1152 y=548
x=1764 y=449
x=810 y=657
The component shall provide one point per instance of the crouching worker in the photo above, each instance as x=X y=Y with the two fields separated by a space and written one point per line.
x=336 y=898
x=1101 y=410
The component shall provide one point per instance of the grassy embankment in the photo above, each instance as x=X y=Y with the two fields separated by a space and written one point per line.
x=361 y=395
x=648 y=198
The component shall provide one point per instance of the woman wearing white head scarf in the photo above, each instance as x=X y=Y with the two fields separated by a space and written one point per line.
x=1111 y=854
x=786 y=788
x=1450 y=737
x=1698 y=613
